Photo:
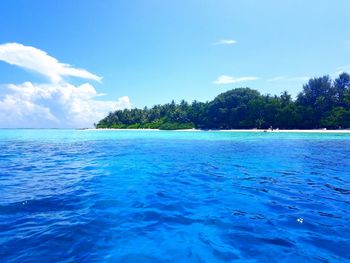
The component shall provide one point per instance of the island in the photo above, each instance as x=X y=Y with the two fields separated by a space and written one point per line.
x=322 y=104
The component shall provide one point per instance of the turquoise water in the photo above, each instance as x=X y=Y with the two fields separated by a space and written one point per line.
x=162 y=196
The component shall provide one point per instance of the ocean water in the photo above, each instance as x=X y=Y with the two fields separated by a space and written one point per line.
x=158 y=196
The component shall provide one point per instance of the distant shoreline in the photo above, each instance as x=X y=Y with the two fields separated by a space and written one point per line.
x=233 y=130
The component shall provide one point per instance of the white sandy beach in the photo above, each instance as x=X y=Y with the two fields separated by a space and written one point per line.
x=289 y=131
x=234 y=130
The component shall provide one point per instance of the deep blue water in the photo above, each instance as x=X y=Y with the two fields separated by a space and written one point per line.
x=136 y=196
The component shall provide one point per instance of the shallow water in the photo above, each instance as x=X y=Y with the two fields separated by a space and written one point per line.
x=156 y=196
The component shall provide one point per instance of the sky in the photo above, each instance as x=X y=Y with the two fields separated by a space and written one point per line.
x=66 y=64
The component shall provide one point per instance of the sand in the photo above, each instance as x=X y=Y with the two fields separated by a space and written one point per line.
x=238 y=130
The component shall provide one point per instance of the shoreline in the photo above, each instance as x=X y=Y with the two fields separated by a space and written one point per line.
x=233 y=130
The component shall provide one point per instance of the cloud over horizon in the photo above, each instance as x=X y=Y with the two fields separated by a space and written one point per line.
x=56 y=104
x=224 y=79
x=225 y=42
x=340 y=70
x=288 y=79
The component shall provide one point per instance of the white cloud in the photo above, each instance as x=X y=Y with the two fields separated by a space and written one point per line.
x=223 y=79
x=225 y=42
x=57 y=104
x=340 y=70
x=288 y=79
x=54 y=106
x=39 y=61
x=344 y=68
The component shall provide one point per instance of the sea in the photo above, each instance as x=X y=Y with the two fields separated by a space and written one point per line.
x=169 y=196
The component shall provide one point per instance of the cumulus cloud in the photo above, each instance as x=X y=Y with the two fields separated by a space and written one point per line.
x=39 y=61
x=56 y=104
x=225 y=42
x=224 y=79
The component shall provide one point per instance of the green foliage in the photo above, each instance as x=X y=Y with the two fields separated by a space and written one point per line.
x=337 y=118
x=322 y=103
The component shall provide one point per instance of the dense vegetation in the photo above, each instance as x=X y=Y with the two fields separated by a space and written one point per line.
x=323 y=103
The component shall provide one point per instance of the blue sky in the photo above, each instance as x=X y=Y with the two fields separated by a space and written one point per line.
x=153 y=51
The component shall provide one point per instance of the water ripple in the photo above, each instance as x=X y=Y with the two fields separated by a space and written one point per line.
x=141 y=199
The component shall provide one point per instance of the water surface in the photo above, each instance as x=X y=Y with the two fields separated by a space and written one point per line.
x=157 y=196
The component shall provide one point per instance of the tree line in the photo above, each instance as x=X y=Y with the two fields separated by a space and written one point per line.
x=322 y=103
